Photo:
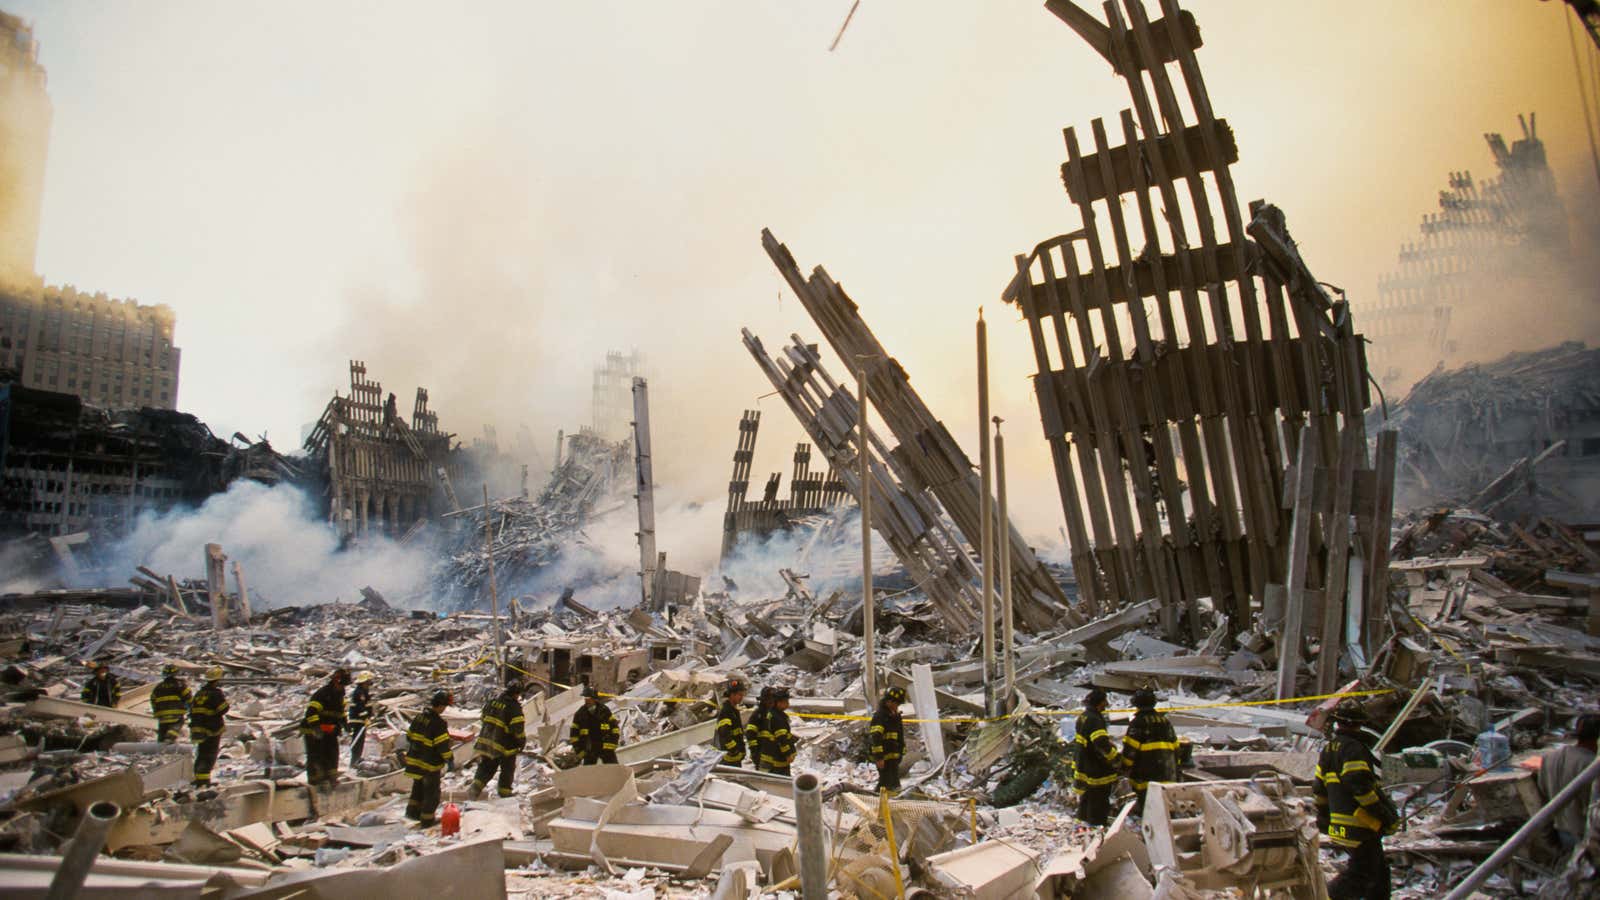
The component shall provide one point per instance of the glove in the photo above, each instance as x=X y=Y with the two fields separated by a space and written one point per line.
x=329 y=728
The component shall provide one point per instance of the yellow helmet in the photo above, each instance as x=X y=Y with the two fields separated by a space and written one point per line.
x=214 y=673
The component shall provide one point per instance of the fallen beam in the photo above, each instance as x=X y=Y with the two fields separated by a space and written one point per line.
x=57 y=708
x=262 y=801
x=667 y=744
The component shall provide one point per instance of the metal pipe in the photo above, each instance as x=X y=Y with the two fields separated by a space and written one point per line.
x=78 y=856
x=1529 y=828
x=869 y=619
x=986 y=513
x=813 y=841
x=1008 y=627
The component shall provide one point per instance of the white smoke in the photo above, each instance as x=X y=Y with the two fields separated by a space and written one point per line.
x=289 y=555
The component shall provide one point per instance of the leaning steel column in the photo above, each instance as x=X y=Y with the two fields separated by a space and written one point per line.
x=86 y=844
x=814 y=851
x=869 y=619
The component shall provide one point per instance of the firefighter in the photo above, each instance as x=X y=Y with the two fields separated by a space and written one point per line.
x=886 y=739
x=594 y=730
x=1352 y=808
x=102 y=689
x=206 y=714
x=500 y=739
x=776 y=748
x=730 y=729
x=169 y=701
x=753 y=729
x=320 y=727
x=1099 y=761
x=1150 y=748
x=360 y=716
x=429 y=748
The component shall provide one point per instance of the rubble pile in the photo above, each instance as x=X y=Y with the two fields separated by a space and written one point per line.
x=986 y=801
x=529 y=535
x=1516 y=436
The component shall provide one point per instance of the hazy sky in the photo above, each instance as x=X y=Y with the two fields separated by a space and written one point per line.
x=485 y=197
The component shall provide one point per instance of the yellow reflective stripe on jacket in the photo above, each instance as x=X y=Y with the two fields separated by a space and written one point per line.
x=1096 y=782
x=1355 y=765
x=1360 y=819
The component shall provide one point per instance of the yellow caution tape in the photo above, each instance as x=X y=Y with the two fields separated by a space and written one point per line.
x=983 y=720
x=975 y=720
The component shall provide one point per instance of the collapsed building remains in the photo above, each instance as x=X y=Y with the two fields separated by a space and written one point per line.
x=1520 y=435
x=923 y=478
x=1488 y=241
x=1187 y=455
x=71 y=468
x=810 y=493
x=380 y=474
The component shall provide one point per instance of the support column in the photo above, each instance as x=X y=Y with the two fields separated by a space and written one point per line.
x=986 y=513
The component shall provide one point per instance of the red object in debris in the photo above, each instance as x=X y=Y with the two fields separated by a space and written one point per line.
x=450 y=820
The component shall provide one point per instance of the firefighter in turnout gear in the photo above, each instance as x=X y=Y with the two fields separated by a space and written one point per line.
x=775 y=749
x=1150 y=747
x=320 y=728
x=102 y=689
x=594 y=730
x=730 y=728
x=169 y=702
x=886 y=741
x=206 y=714
x=429 y=747
x=1352 y=808
x=1099 y=761
x=500 y=740
x=360 y=716
x=752 y=728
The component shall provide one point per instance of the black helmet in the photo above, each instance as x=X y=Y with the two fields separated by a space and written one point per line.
x=169 y=670
x=1096 y=699
x=780 y=693
x=440 y=698
x=1144 y=698
x=1350 y=712
x=341 y=674
x=894 y=695
x=735 y=686
x=514 y=686
x=589 y=691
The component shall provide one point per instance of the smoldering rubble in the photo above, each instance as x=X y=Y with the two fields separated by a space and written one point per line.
x=1256 y=544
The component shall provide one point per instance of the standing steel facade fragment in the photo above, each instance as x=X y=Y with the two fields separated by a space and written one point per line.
x=1172 y=432
x=810 y=492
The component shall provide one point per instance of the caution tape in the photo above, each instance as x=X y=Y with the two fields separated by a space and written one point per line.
x=984 y=720
x=973 y=720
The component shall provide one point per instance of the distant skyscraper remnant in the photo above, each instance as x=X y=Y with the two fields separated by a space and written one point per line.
x=1483 y=245
x=613 y=394
x=115 y=354
x=25 y=114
